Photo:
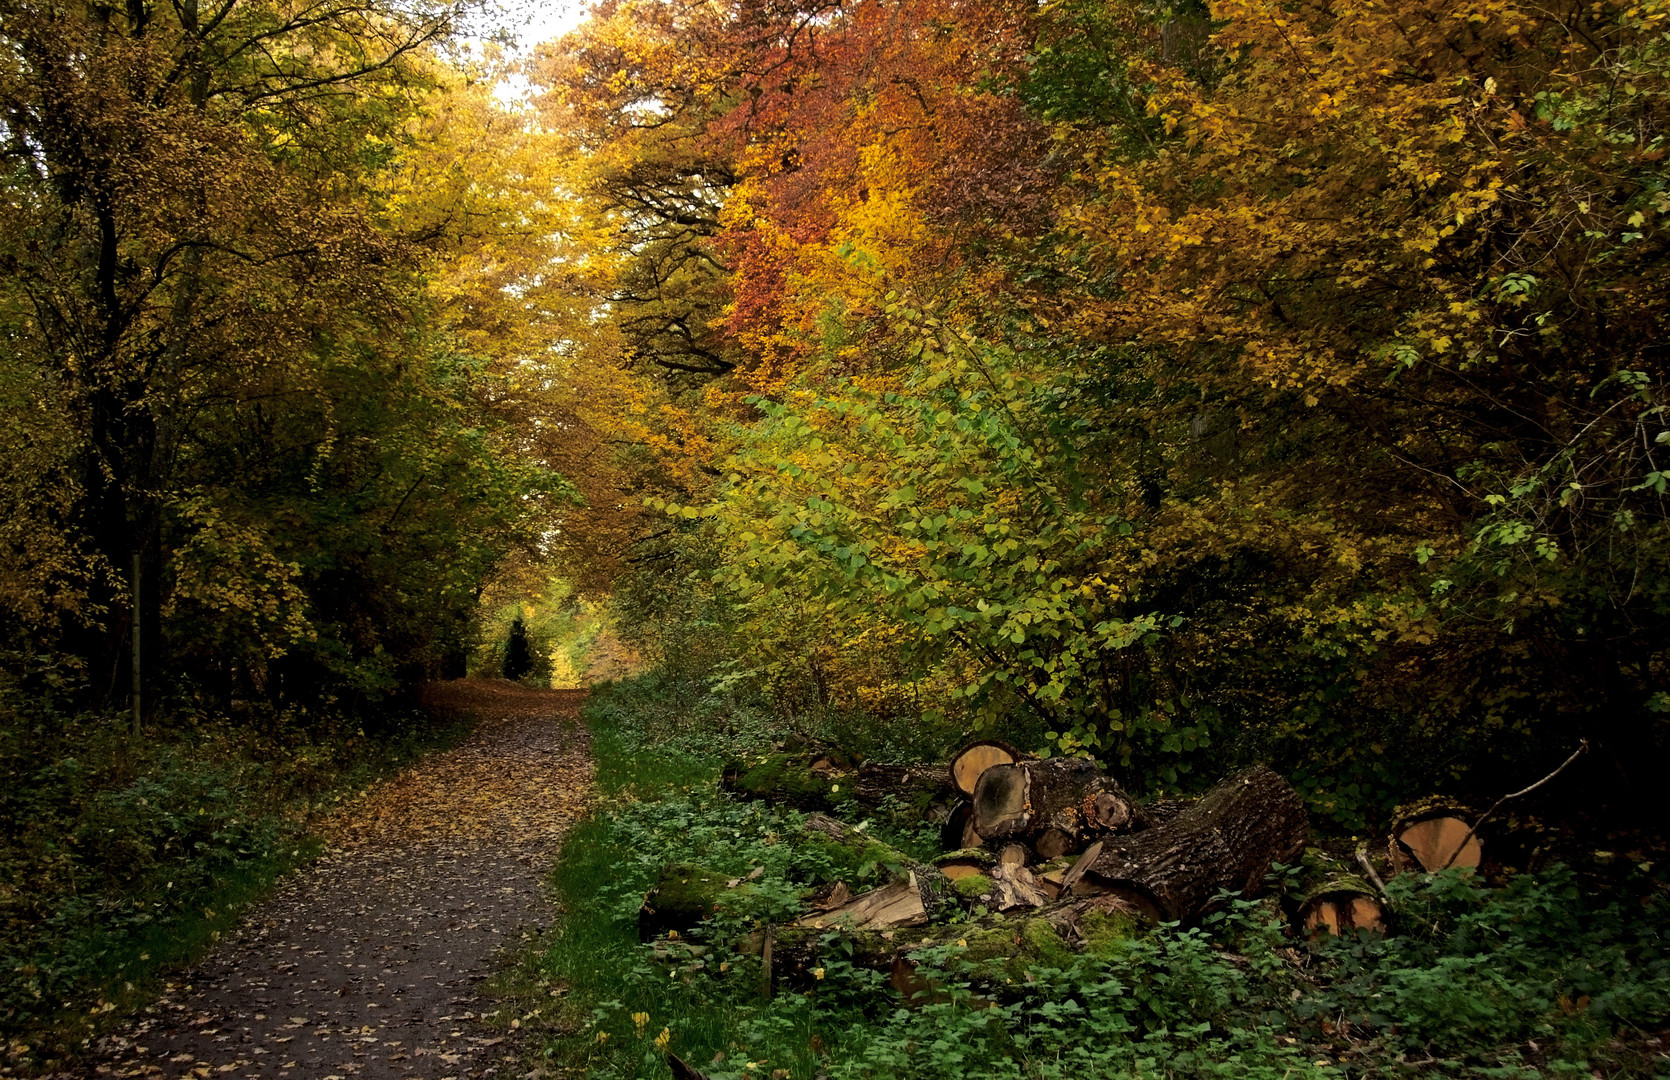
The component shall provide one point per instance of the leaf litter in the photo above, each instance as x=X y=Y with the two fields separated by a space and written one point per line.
x=367 y=964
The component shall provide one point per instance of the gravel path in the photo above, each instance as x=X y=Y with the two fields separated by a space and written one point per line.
x=367 y=964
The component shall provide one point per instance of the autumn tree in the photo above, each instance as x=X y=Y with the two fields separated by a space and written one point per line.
x=257 y=343
x=1280 y=377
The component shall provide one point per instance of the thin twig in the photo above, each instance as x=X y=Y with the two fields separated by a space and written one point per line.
x=1368 y=869
x=1582 y=748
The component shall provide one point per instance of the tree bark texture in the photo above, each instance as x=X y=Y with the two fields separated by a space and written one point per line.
x=1057 y=804
x=1226 y=841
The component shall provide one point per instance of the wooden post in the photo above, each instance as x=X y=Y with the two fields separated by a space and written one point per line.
x=134 y=696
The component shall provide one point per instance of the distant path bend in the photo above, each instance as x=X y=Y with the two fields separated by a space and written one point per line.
x=365 y=965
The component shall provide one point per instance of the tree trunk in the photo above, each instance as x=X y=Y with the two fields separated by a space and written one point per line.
x=1046 y=936
x=1226 y=841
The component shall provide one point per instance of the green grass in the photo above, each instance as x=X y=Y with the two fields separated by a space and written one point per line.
x=1546 y=977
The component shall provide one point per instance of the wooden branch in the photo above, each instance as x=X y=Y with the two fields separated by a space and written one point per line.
x=1374 y=878
x=1582 y=748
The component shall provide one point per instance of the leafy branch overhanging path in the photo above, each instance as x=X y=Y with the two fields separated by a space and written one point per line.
x=366 y=965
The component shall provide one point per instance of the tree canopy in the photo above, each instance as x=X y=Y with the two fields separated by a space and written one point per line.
x=1285 y=380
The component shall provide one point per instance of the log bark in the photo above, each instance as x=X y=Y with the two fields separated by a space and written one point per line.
x=915 y=785
x=968 y=763
x=1059 y=803
x=1226 y=841
x=833 y=782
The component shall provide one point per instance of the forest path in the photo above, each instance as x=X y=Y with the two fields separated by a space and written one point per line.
x=366 y=964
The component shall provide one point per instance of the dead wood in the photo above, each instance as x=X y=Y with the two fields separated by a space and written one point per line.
x=958 y=831
x=1433 y=842
x=1340 y=905
x=968 y=763
x=1011 y=944
x=1226 y=841
x=1060 y=803
x=831 y=781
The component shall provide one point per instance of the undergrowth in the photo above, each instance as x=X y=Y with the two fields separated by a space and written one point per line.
x=1540 y=978
x=122 y=858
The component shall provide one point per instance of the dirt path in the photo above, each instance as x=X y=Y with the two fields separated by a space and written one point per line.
x=367 y=964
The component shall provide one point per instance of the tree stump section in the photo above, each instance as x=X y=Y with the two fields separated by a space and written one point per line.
x=968 y=763
x=1227 y=840
x=1428 y=843
x=967 y=862
x=1341 y=905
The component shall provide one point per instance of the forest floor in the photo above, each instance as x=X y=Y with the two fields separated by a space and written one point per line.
x=368 y=964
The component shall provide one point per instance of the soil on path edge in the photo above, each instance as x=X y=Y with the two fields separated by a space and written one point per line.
x=366 y=964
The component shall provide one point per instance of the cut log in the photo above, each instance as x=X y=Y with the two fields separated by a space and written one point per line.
x=1226 y=841
x=968 y=763
x=827 y=781
x=1054 y=843
x=1070 y=878
x=1014 y=889
x=828 y=898
x=683 y=896
x=852 y=849
x=1333 y=916
x=899 y=903
x=1160 y=811
x=1340 y=905
x=968 y=862
x=1433 y=842
x=957 y=871
x=1060 y=803
x=918 y=787
x=916 y=893
x=1048 y=936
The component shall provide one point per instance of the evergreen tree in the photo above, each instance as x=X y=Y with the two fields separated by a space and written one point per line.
x=518 y=661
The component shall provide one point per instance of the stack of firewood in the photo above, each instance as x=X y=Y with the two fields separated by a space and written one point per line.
x=1026 y=836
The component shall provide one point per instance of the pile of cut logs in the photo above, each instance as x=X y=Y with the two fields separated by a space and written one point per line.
x=1051 y=842
x=1063 y=827
x=1024 y=835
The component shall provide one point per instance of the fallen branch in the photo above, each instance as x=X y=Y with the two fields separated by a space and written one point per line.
x=1582 y=748
x=1373 y=878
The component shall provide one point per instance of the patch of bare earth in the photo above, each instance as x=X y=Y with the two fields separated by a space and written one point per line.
x=367 y=964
